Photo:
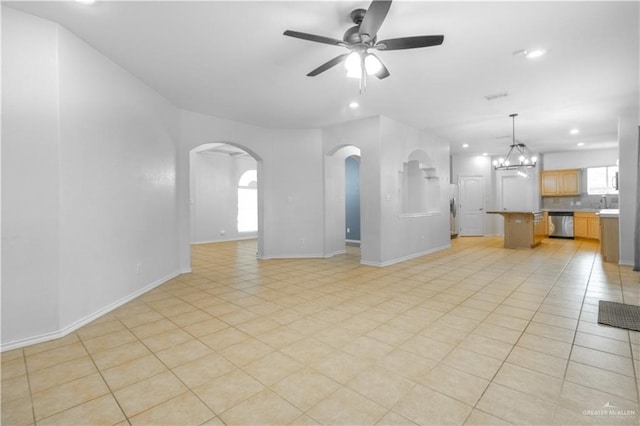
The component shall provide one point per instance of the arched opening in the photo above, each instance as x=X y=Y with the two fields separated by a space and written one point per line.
x=343 y=230
x=225 y=197
x=352 y=199
x=419 y=185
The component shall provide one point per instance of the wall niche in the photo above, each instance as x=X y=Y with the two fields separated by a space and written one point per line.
x=419 y=185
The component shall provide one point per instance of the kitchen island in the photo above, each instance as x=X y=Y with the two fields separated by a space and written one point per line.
x=609 y=235
x=522 y=228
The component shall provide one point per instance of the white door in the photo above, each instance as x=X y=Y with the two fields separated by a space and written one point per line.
x=471 y=211
x=516 y=194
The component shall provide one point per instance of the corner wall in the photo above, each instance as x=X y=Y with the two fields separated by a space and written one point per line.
x=89 y=214
x=30 y=177
x=386 y=235
x=406 y=236
x=628 y=141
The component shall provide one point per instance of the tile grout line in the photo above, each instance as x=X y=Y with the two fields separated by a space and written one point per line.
x=26 y=371
x=215 y=415
x=102 y=376
x=575 y=332
x=516 y=342
x=633 y=360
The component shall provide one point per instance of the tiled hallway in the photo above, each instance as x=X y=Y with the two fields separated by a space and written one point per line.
x=475 y=334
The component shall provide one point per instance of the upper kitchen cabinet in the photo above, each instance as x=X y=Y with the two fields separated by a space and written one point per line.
x=560 y=182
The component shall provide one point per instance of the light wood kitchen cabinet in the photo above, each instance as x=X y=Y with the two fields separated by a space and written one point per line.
x=594 y=228
x=586 y=225
x=609 y=244
x=560 y=182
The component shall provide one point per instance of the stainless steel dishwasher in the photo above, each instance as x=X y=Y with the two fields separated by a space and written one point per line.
x=561 y=224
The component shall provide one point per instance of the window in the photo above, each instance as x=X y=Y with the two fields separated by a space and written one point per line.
x=248 y=202
x=602 y=180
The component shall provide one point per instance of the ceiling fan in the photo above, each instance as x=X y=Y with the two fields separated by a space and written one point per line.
x=362 y=37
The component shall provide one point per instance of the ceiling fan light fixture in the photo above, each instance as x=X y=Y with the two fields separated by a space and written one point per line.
x=372 y=64
x=352 y=64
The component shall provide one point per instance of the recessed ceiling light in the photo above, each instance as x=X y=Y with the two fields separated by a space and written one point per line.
x=485 y=154
x=465 y=145
x=574 y=131
x=580 y=143
x=354 y=105
x=535 y=53
x=530 y=54
x=494 y=96
x=86 y=1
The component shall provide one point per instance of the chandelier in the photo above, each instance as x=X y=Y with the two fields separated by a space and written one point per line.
x=517 y=158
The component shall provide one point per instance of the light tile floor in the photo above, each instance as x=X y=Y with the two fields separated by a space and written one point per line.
x=475 y=334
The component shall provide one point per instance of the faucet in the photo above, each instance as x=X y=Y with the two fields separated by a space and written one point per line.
x=603 y=202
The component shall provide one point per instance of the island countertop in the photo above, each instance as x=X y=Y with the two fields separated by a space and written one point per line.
x=522 y=228
x=515 y=212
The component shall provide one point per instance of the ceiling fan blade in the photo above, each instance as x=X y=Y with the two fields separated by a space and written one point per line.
x=373 y=19
x=313 y=37
x=329 y=64
x=409 y=42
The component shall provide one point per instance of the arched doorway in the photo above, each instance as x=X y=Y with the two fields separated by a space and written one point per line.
x=352 y=199
x=342 y=201
x=224 y=194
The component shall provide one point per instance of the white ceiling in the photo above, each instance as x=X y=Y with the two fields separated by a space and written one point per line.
x=230 y=59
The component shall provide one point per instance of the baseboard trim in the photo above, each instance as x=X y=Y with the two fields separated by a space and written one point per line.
x=335 y=253
x=84 y=321
x=292 y=256
x=226 y=240
x=405 y=258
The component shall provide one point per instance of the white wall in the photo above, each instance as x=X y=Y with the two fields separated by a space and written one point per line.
x=89 y=200
x=214 y=196
x=119 y=220
x=364 y=135
x=628 y=141
x=30 y=177
x=385 y=145
x=407 y=236
x=579 y=159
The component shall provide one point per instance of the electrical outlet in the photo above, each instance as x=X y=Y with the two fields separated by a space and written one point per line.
x=348 y=230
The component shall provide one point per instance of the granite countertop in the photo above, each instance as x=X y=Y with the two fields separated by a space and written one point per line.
x=600 y=212
x=572 y=210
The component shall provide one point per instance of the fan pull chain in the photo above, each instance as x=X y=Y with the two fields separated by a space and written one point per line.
x=363 y=75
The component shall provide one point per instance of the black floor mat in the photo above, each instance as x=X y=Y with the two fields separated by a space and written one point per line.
x=619 y=315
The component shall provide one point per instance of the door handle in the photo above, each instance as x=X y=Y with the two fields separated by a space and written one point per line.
x=481 y=209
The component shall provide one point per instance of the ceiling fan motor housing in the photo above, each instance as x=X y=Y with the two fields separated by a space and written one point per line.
x=358 y=15
x=351 y=36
